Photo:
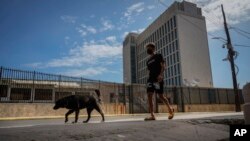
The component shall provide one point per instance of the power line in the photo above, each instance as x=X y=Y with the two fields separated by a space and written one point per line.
x=236 y=28
x=242 y=34
x=242 y=45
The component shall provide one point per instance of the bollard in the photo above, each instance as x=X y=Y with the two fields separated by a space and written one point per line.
x=246 y=96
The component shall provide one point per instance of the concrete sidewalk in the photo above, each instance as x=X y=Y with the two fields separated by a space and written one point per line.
x=185 y=126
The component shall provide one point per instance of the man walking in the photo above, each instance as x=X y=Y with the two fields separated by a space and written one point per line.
x=156 y=66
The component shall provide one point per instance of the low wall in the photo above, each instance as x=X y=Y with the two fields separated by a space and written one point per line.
x=201 y=108
x=209 y=107
x=37 y=110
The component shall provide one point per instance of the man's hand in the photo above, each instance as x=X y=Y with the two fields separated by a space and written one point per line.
x=160 y=78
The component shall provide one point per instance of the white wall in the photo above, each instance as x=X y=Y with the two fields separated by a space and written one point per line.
x=194 y=51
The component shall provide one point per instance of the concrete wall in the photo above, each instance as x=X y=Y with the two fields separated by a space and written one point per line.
x=36 y=110
x=201 y=108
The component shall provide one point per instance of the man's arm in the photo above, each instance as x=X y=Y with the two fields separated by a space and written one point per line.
x=163 y=67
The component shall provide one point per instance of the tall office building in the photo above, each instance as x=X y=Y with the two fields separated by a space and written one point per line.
x=180 y=35
x=129 y=58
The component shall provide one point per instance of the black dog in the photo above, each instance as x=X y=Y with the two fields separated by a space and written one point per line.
x=76 y=102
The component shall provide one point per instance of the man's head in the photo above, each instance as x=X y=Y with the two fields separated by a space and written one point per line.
x=150 y=48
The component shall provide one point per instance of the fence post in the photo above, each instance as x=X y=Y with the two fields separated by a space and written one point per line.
x=1 y=70
x=33 y=87
x=59 y=83
x=182 y=100
x=218 y=93
x=227 y=96
x=199 y=94
x=131 y=101
x=189 y=96
x=81 y=83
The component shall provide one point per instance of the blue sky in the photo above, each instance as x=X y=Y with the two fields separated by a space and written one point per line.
x=84 y=38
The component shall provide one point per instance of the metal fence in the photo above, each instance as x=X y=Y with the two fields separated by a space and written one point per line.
x=32 y=86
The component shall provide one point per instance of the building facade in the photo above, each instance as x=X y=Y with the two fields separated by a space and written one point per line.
x=129 y=58
x=180 y=35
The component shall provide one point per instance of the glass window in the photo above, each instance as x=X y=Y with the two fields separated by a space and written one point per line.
x=168 y=27
x=173 y=46
x=165 y=28
x=178 y=68
x=170 y=49
x=175 y=72
x=171 y=23
x=176 y=44
x=174 y=58
x=160 y=32
x=174 y=21
x=172 y=35
x=175 y=33
x=169 y=37
x=177 y=56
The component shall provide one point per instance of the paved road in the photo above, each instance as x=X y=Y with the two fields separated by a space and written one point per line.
x=187 y=126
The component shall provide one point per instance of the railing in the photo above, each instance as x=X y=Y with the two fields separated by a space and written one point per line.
x=32 y=86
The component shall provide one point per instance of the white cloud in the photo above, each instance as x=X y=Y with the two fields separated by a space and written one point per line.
x=66 y=39
x=107 y=25
x=91 y=71
x=92 y=16
x=236 y=11
x=69 y=19
x=138 y=31
x=150 y=18
x=111 y=39
x=151 y=7
x=90 y=29
x=134 y=9
x=90 y=53
x=81 y=31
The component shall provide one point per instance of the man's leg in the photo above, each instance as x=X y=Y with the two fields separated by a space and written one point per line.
x=166 y=102
x=150 y=104
x=170 y=110
x=150 y=93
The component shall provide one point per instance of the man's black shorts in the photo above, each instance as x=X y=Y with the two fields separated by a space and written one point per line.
x=156 y=87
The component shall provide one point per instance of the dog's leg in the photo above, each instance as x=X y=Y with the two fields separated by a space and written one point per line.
x=67 y=114
x=76 y=116
x=89 y=110
x=98 y=109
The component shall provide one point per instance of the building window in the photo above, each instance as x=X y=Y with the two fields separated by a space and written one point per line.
x=178 y=68
x=174 y=57
x=176 y=81
x=171 y=23
x=172 y=35
x=175 y=72
x=177 y=56
x=173 y=46
x=175 y=33
x=170 y=48
x=168 y=60
x=176 y=44
x=172 y=71
x=174 y=21
x=168 y=27
x=169 y=37
x=165 y=25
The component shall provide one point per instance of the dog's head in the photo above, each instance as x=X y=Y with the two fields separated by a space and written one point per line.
x=59 y=104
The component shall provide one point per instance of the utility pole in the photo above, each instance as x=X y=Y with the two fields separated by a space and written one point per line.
x=231 y=54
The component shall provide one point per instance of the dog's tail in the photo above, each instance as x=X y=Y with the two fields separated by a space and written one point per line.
x=98 y=94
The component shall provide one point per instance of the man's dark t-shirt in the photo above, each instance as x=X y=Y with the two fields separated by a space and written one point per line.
x=154 y=67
